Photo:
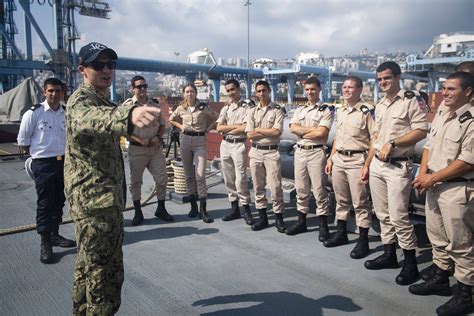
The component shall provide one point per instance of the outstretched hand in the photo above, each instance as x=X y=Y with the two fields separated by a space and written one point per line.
x=144 y=115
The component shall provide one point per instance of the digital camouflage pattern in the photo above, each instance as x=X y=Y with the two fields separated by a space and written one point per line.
x=95 y=192
x=93 y=165
x=98 y=275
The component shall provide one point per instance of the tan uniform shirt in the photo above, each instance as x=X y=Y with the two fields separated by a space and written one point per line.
x=150 y=131
x=452 y=138
x=398 y=117
x=199 y=120
x=354 y=127
x=313 y=116
x=233 y=114
x=270 y=116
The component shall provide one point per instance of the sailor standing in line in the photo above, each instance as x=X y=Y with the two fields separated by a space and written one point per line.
x=447 y=173
x=264 y=127
x=42 y=134
x=145 y=151
x=311 y=123
x=400 y=122
x=194 y=119
x=231 y=123
x=349 y=166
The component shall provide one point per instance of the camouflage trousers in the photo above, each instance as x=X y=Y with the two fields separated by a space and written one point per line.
x=98 y=273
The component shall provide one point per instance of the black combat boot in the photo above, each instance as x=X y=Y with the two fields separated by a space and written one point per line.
x=428 y=272
x=194 y=206
x=388 y=260
x=298 y=227
x=46 y=255
x=247 y=214
x=409 y=273
x=262 y=222
x=438 y=284
x=340 y=237
x=59 y=241
x=279 y=223
x=361 y=249
x=323 y=228
x=202 y=211
x=138 y=217
x=234 y=212
x=162 y=213
x=460 y=303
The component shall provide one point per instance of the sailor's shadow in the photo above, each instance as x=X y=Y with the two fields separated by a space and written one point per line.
x=278 y=303
x=165 y=233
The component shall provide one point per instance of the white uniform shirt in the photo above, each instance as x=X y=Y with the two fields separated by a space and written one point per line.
x=44 y=130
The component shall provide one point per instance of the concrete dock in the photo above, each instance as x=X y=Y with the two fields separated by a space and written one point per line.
x=190 y=268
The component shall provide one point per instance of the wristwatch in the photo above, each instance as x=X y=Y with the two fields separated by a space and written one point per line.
x=392 y=143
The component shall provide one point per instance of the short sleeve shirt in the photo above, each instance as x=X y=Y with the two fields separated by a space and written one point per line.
x=354 y=126
x=233 y=114
x=197 y=120
x=452 y=138
x=315 y=115
x=270 y=116
x=398 y=117
x=150 y=131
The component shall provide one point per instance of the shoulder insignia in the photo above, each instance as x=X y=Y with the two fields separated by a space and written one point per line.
x=422 y=103
x=250 y=103
x=465 y=116
x=324 y=106
x=34 y=107
x=202 y=106
x=409 y=94
x=365 y=109
x=64 y=107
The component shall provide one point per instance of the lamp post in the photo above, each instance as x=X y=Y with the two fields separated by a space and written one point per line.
x=248 y=4
x=176 y=54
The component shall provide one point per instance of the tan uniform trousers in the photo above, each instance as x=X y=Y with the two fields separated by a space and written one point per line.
x=194 y=152
x=151 y=158
x=310 y=177
x=390 y=188
x=349 y=191
x=450 y=225
x=233 y=161
x=265 y=167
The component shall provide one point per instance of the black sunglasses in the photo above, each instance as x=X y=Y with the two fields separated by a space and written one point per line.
x=142 y=86
x=99 y=65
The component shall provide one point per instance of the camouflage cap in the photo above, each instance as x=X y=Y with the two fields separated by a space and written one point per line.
x=89 y=52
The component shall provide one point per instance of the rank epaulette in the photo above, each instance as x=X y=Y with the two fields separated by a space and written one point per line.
x=409 y=94
x=324 y=106
x=202 y=106
x=249 y=103
x=34 y=107
x=465 y=116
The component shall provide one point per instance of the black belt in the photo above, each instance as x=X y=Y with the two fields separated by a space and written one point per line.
x=308 y=147
x=135 y=143
x=265 y=147
x=457 y=179
x=58 y=157
x=234 y=140
x=394 y=160
x=350 y=152
x=190 y=133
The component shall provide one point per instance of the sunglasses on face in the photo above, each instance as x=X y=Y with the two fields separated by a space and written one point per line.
x=99 y=65
x=142 y=86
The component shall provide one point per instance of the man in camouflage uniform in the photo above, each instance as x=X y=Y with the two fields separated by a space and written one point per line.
x=95 y=181
x=145 y=151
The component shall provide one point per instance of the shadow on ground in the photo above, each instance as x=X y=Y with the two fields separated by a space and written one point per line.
x=277 y=303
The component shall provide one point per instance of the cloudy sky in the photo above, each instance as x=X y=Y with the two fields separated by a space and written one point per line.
x=156 y=29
